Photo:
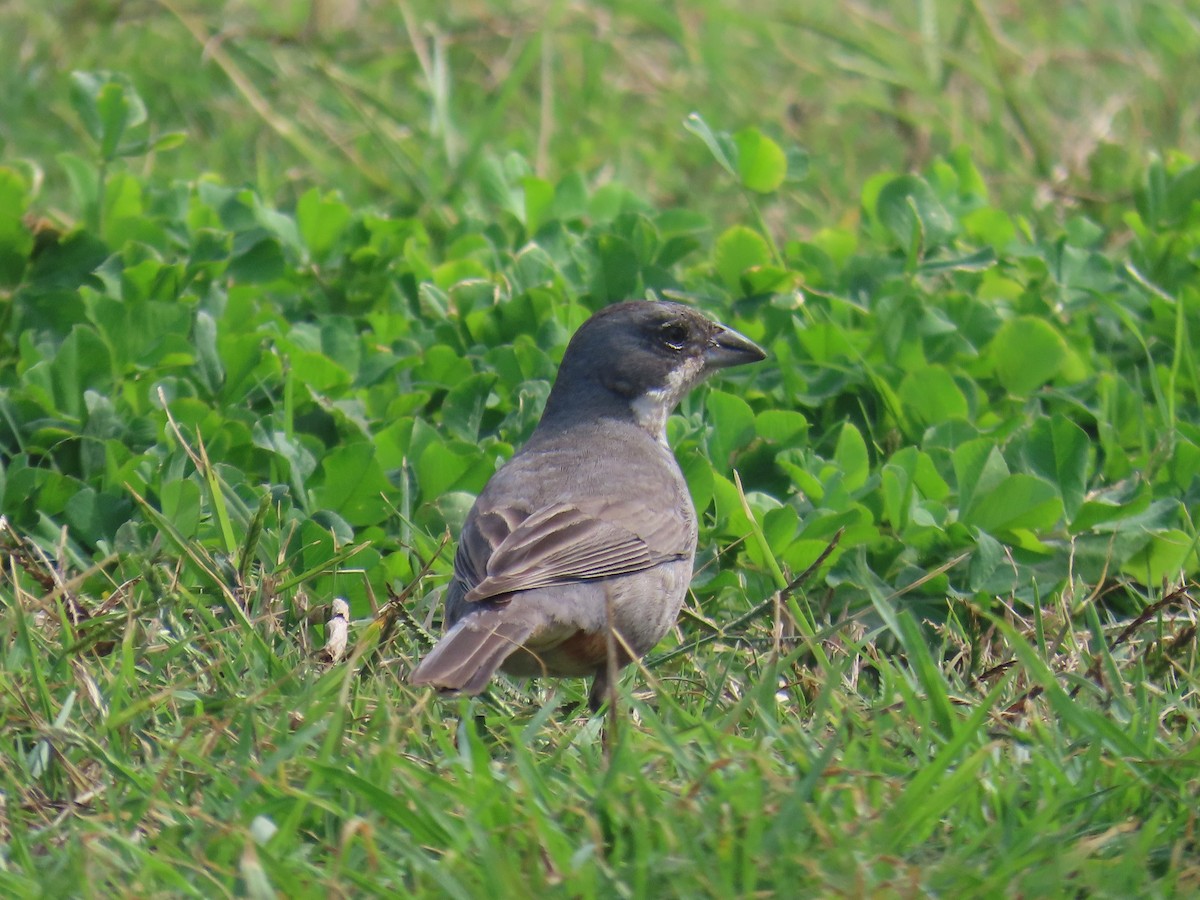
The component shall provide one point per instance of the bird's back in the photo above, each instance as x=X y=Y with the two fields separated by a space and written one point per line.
x=608 y=463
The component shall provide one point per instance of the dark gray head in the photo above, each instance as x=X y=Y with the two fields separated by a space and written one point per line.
x=640 y=358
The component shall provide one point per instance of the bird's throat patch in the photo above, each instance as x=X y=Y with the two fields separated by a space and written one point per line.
x=652 y=407
x=651 y=412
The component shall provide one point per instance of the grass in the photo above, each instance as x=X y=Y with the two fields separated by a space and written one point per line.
x=199 y=762
x=270 y=366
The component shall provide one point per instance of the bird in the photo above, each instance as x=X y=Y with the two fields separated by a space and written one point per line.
x=580 y=548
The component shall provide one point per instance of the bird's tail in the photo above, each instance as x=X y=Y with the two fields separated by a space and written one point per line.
x=465 y=659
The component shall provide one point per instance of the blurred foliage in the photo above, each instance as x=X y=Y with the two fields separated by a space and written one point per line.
x=403 y=105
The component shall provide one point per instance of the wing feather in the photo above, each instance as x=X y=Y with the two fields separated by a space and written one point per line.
x=565 y=543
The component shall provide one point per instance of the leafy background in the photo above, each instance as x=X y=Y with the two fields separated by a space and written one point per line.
x=271 y=318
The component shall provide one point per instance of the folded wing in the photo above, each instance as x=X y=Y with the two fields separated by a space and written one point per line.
x=564 y=543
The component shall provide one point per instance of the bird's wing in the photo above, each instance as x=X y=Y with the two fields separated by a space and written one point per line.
x=571 y=542
x=482 y=534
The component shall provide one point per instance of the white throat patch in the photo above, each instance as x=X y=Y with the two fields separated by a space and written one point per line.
x=652 y=408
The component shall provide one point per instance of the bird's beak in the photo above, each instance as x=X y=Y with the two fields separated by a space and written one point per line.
x=728 y=348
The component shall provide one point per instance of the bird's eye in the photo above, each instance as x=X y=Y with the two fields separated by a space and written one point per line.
x=674 y=336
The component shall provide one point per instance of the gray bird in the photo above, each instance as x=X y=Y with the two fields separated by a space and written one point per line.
x=592 y=518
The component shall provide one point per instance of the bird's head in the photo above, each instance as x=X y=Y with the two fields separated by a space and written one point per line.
x=643 y=356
